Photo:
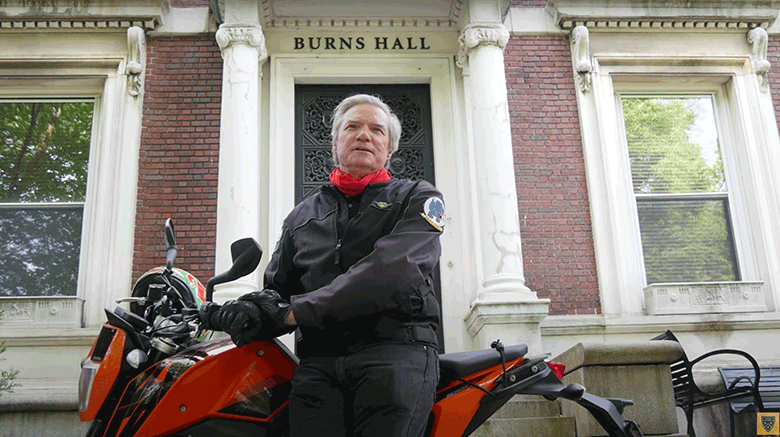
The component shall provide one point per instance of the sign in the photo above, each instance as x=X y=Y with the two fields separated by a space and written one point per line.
x=349 y=43
x=768 y=423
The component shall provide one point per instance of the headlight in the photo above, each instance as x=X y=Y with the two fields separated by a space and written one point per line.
x=89 y=369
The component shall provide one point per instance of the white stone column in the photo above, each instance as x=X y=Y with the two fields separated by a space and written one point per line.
x=238 y=201
x=505 y=308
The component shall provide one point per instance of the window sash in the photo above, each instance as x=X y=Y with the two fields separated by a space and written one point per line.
x=685 y=236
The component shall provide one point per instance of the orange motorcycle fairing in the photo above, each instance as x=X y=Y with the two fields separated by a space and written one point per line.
x=100 y=370
x=457 y=402
x=207 y=383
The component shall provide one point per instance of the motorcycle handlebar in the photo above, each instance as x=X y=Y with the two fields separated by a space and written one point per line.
x=208 y=316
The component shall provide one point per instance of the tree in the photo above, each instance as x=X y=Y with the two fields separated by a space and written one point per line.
x=7 y=377
x=683 y=240
x=44 y=154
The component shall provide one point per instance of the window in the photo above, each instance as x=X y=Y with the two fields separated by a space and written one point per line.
x=44 y=158
x=85 y=185
x=681 y=158
x=679 y=184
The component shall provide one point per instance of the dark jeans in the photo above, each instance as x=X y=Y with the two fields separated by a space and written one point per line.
x=382 y=390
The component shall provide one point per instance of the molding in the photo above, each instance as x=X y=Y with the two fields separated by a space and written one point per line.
x=136 y=60
x=580 y=41
x=46 y=337
x=270 y=20
x=698 y=15
x=646 y=324
x=230 y=35
x=90 y=24
x=480 y=35
x=759 y=41
x=662 y=23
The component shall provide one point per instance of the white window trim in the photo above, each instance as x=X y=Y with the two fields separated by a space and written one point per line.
x=105 y=261
x=613 y=209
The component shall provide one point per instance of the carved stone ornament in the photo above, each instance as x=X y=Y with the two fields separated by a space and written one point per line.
x=252 y=36
x=136 y=60
x=580 y=41
x=478 y=35
x=759 y=41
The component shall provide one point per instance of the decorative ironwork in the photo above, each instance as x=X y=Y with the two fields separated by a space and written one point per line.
x=315 y=107
x=317 y=165
x=408 y=164
x=316 y=120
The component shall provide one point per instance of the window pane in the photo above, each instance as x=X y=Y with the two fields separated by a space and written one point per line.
x=687 y=241
x=44 y=150
x=673 y=145
x=39 y=249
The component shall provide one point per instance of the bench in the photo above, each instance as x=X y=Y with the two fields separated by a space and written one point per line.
x=768 y=389
x=768 y=386
x=689 y=396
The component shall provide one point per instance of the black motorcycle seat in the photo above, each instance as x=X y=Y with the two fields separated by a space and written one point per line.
x=461 y=364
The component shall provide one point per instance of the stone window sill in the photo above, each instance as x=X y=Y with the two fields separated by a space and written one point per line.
x=705 y=298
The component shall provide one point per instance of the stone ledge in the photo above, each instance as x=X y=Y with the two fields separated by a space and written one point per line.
x=619 y=354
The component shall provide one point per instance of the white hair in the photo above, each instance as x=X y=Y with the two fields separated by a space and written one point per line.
x=337 y=120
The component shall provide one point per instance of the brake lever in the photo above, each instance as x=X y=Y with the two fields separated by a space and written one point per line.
x=138 y=300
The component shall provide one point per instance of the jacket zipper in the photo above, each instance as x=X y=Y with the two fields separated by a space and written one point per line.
x=338 y=252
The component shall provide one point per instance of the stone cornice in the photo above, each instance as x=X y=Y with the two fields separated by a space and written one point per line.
x=90 y=24
x=650 y=23
x=668 y=15
x=270 y=20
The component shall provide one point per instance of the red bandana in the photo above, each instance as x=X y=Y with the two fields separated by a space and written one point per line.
x=351 y=186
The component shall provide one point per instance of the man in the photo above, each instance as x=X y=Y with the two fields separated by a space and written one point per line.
x=352 y=270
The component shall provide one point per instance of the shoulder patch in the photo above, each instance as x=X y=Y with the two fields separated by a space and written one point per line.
x=433 y=212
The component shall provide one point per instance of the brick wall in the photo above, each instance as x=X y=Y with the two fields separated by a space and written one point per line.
x=179 y=153
x=557 y=238
x=772 y=55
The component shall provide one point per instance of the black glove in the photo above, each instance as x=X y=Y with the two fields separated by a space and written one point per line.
x=208 y=316
x=241 y=320
x=273 y=311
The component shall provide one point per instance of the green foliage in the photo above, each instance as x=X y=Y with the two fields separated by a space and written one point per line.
x=7 y=377
x=663 y=157
x=683 y=240
x=44 y=153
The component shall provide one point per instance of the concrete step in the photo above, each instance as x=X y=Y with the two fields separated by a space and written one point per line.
x=530 y=427
x=528 y=406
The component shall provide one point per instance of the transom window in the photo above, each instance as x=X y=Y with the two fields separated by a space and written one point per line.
x=44 y=155
x=679 y=183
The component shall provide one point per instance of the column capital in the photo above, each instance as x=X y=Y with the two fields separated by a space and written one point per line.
x=479 y=35
x=250 y=35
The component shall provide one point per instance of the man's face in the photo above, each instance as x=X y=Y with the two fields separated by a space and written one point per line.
x=363 y=142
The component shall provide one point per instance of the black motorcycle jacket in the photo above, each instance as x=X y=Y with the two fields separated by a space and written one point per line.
x=358 y=270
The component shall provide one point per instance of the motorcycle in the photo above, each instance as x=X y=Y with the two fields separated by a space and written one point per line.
x=152 y=371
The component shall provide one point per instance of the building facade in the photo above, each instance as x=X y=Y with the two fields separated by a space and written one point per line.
x=609 y=167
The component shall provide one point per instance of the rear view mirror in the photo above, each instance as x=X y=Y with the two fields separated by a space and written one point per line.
x=246 y=254
x=170 y=245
